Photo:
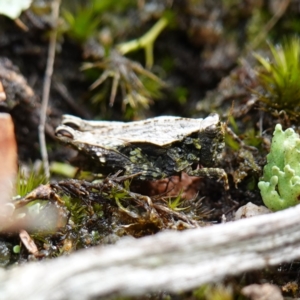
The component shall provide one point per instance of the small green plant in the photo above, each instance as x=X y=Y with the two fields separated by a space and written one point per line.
x=130 y=77
x=280 y=76
x=280 y=185
x=81 y=24
x=27 y=182
x=176 y=204
x=83 y=18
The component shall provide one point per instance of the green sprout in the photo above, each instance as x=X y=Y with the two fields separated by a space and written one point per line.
x=280 y=185
x=280 y=77
x=176 y=204
x=27 y=182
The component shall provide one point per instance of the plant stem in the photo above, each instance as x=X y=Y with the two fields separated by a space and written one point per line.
x=146 y=41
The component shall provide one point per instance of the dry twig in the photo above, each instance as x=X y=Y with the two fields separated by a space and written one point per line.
x=46 y=87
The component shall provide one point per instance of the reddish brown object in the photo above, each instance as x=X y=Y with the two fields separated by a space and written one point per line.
x=28 y=242
x=2 y=93
x=187 y=185
x=8 y=158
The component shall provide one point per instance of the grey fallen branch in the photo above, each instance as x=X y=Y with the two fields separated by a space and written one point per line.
x=169 y=261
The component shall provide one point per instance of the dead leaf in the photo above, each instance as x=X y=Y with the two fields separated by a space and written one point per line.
x=28 y=242
x=8 y=161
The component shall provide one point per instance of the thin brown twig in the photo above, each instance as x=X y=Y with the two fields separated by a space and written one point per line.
x=46 y=87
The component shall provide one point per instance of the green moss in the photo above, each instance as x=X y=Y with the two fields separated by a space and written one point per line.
x=279 y=77
x=214 y=292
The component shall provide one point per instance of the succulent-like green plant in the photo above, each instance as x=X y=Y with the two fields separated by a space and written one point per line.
x=280 y=185
x=280 y=76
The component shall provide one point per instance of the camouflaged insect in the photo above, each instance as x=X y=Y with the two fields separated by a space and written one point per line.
x=152 y=149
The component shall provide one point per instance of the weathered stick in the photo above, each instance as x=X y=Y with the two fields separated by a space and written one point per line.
x=169 y=261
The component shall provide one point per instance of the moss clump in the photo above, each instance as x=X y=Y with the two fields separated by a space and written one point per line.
x=279 y=77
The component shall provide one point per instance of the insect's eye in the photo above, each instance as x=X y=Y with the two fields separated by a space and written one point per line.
x=72 y=125
x=64 y=133
x=211 y=130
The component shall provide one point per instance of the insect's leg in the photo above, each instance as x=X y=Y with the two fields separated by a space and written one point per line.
x=218 y=173
x=213 y=173
x=235 y=138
